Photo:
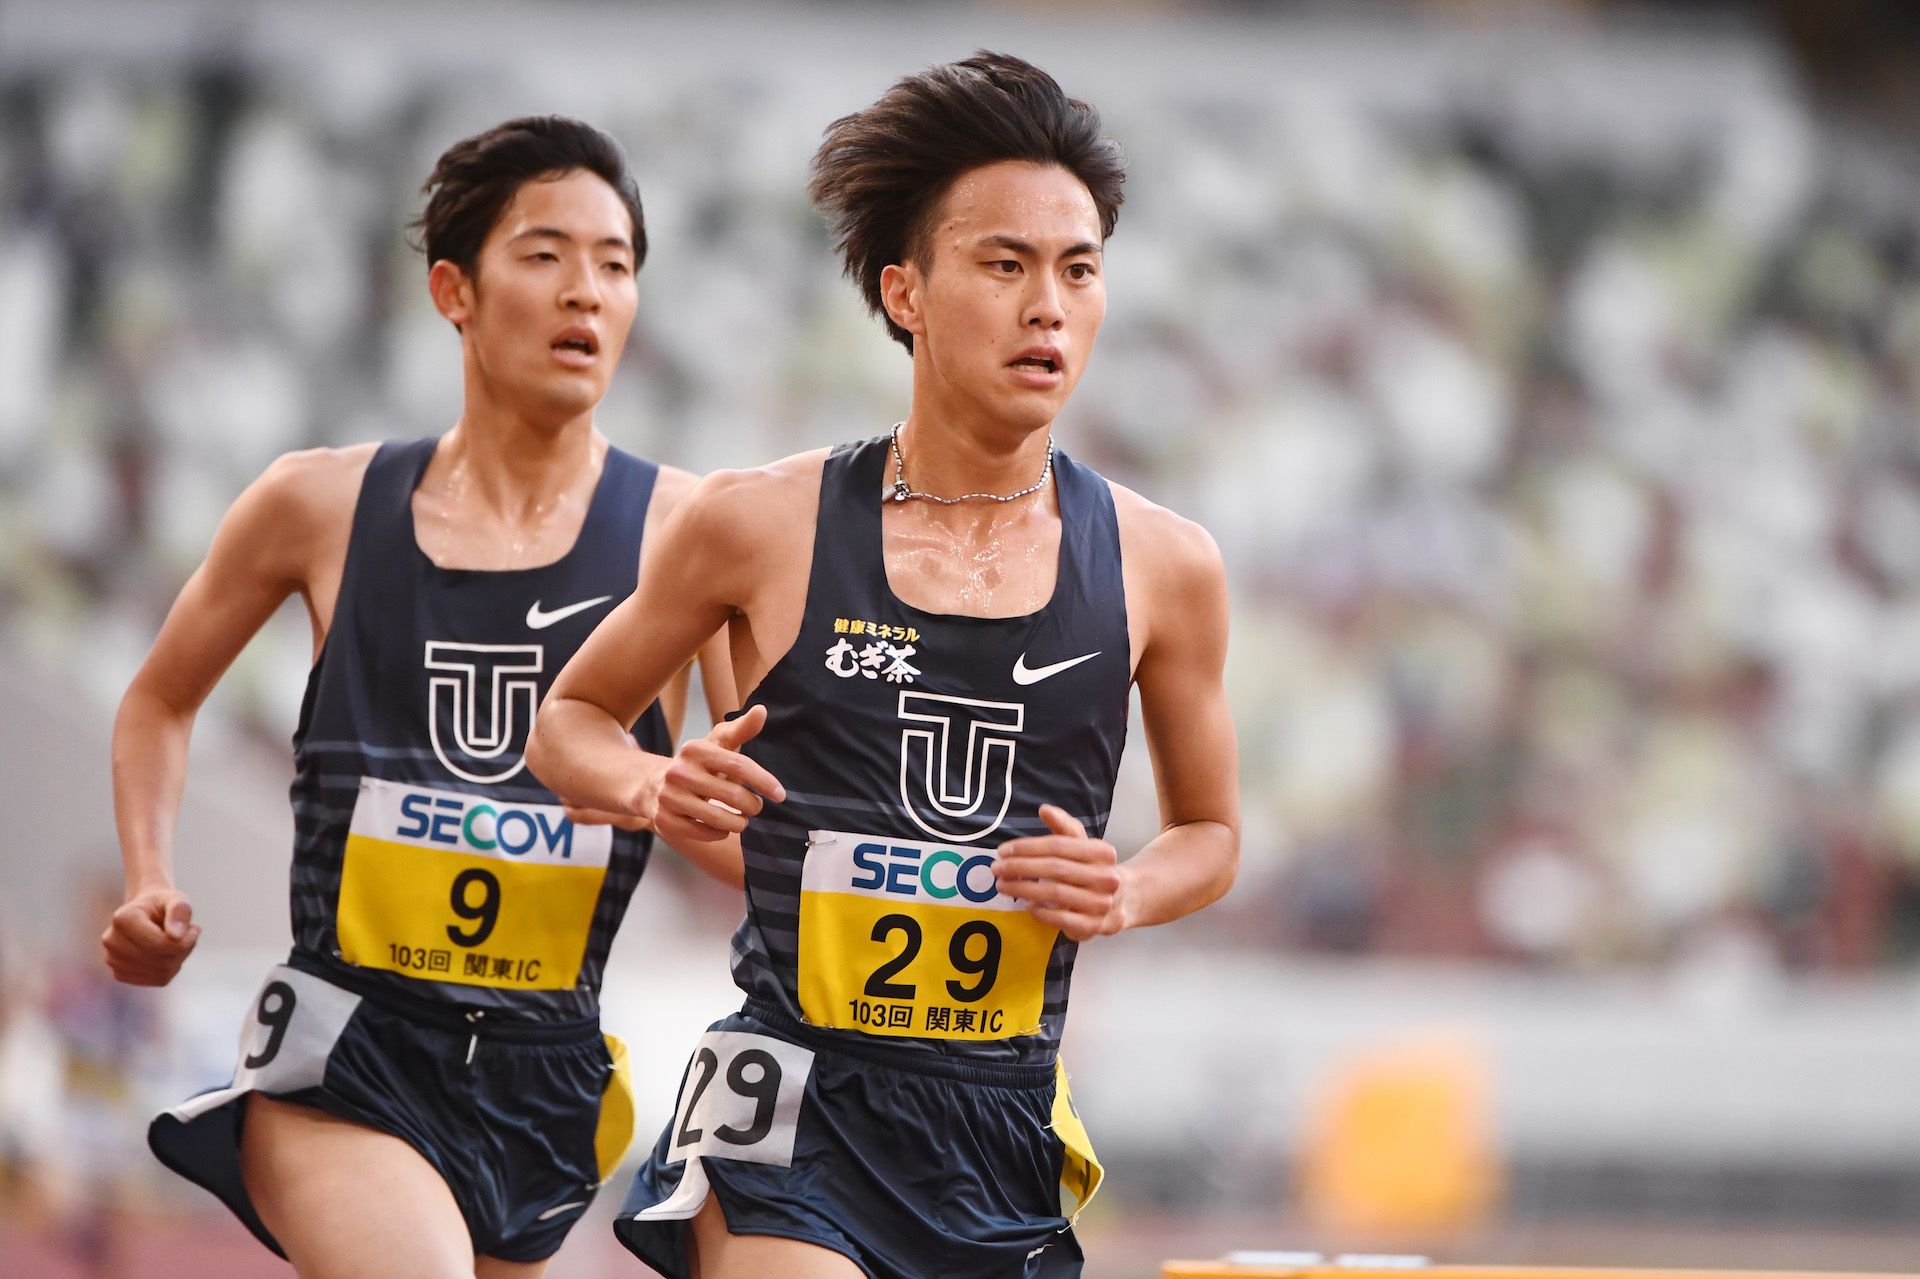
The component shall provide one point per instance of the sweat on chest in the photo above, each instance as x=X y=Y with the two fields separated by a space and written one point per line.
x=984 y=568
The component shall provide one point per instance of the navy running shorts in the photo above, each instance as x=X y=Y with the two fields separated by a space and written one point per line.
x=909 y=1165
x=523 y=1121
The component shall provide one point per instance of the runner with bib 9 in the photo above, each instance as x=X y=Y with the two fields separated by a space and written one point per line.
x=423 y=1088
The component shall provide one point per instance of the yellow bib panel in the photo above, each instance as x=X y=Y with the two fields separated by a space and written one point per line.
x=901 y=938
x=460 y=888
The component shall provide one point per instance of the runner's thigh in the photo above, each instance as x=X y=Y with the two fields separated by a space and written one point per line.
x=348 y=1202
x=494 y=1268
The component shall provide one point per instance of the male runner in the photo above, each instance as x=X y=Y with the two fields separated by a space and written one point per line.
x=423 y=1088
x=939 y=628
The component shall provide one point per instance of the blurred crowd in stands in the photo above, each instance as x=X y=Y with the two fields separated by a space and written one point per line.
x=1567 y=471
x=79 y=1056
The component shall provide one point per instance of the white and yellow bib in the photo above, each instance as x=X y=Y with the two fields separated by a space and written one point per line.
x=902 y=937
x=463 y=888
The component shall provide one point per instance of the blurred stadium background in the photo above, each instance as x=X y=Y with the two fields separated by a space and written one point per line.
x=1549 y=374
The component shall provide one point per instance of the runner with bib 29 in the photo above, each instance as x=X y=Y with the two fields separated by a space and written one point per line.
x=937 y=630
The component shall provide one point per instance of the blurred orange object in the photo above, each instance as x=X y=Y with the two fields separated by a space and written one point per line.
x=1403 y=1142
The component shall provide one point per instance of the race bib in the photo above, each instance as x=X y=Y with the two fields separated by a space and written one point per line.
x=906 y=938
x=462 y=888
x=290 y=1031
x=741 y=1099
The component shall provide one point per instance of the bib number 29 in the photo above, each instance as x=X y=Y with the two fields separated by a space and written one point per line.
x=984 y=968
x=741 y=1098
x=753 y=1073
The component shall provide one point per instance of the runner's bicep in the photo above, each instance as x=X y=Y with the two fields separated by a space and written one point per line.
x=633 y=657
x=1183 y=700
x=682 y=598
x=1195 y=759
x=223 y=605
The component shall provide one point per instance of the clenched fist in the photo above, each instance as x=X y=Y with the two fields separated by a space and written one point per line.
x=149 y=937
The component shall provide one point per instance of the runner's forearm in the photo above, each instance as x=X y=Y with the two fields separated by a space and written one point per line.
x=149 y=772
x=1182 y=869
x=585 y=756
x=722 y=859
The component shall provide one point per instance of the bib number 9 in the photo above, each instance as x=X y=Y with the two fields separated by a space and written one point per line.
x=458 y=887
x=275 y=1012
x=484 y=913
x=290 y=1031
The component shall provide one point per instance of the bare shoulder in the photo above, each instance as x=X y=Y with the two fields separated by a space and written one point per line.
x=305 y=495
x=315 y=486
x=755 y=502
x=1168 y=547
x=1176 y=586
x=674 y=485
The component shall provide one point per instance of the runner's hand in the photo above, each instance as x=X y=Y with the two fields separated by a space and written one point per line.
x=1066 y=879
x=149 y=937
x=711 y=789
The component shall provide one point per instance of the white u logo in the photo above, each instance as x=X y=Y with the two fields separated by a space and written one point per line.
x=948 y=796
x=510 y=674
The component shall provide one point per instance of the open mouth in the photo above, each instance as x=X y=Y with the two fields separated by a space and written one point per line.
x=577 y=342
x=1035 y=364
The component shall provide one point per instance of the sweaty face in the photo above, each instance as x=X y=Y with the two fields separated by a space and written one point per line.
x=552 y=296
x=1013 y=292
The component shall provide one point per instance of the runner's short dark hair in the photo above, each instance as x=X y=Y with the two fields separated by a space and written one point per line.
x=881 y=174
x=474 y=180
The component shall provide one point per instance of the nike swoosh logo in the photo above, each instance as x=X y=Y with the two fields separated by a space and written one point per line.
x=540 y=621
x=555 y=1212
x=1024 y=674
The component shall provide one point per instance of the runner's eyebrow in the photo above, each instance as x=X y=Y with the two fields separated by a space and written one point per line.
x=1005 y=242
x=1017 y=245
x=555 y=233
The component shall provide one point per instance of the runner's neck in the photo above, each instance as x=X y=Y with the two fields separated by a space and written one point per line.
x=513 y=471
x=948 y=457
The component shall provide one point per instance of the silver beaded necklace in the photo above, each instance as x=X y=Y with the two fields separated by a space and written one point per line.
x=901 y=492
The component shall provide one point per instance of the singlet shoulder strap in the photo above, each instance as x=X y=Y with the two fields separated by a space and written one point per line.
x=1091 y=581
x=846 y=532
x=618 y=514
x=379 y=547
x=1092 y=525
x=386 y=491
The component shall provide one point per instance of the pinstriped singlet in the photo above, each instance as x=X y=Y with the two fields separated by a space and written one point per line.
x=425 y=854
x=911 y=744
